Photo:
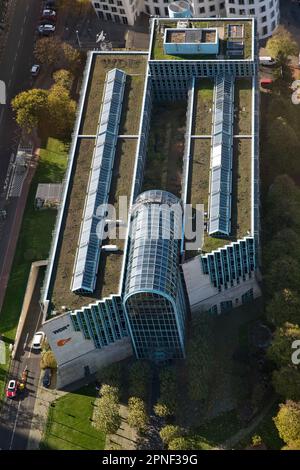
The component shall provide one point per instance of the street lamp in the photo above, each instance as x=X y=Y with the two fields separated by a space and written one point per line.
x=77 y=34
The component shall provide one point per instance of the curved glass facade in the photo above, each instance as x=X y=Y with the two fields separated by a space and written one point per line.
x=154 y=296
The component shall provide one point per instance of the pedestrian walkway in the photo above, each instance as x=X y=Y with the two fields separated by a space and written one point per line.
x=44 y=399
x=126 y=437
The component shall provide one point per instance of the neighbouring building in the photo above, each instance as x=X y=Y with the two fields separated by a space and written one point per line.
x=173 y=126
x=126 y=11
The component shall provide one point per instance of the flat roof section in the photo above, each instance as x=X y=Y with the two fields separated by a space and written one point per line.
x=134 y=65
x=229 y=32
x=198 y=191
x=110 y=263
x=165 y=148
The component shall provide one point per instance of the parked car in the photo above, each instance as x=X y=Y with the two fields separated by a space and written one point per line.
x=35 y=70
x=267 y=61
x=12 y=389
x=47 y=377
x=38 y=340
x=46 y=29
x=49 y=14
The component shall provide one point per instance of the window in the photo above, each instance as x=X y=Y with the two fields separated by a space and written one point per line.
x=108 y=16
x=125 y=20
x=105 y=7
x=252 y=11
x=122 y=11
x=97 y=5
x=265 y=30
x=166 y=11
x=117 y=18
x=231 y=10
x=100 y=15
x=243 y=12
x=157 y=11
x=119 y=3
x=264 y=19
x=201 y=10
x=113 y=9
x=147 y=9
x=212 y=8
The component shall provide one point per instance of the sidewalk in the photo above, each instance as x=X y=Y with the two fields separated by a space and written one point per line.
x=44 y=398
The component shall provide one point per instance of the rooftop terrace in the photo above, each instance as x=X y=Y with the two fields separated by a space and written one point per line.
x=231 y=33
x=110 y=263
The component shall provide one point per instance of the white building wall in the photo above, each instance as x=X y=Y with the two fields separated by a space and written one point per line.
x=126 y=11
x=76 y=355
x=204 y=296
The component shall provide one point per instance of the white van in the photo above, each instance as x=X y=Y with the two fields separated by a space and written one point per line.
x=268 y=61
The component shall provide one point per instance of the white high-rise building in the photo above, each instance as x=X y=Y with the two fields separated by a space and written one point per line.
x=126 y=11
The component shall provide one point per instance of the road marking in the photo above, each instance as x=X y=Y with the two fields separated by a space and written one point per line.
x=15 y=425
x=25 y=17
x=24 y=346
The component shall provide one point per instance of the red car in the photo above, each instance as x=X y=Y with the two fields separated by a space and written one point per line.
x=12 y=389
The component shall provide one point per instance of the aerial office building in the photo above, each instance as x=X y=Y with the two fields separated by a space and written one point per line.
x=173 y=126
x=266 y=12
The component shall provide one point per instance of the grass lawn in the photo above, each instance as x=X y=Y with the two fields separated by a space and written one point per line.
x=218 y=429
x=34 y=240
x=69 y=426
x=267 y=431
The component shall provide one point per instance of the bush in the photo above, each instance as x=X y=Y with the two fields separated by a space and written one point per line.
x=48 y=360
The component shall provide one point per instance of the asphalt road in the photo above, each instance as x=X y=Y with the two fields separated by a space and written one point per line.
x=16 y=416
x=17 y=59
x=15 y=67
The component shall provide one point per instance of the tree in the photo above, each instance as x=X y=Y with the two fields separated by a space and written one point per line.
x=111 y=375
x=72 y=56
x=200 y=357
x=106 y=416
x=283 y=273
x=282 y=207
x=287 y=422
x=48 y=50
x=109 y=390
x=284 y=307
x=139 y=379
x=286 y=382
x=282 y=44
x=48 y=360
x=162 y=410
x=63 y=78
x=137 y=416
x=180 y=443
x=293 y=445
x=280 y=349
x=168 y=389
x=286 y=242
x=29 y=107
x=169 y=432
x=61 y=109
